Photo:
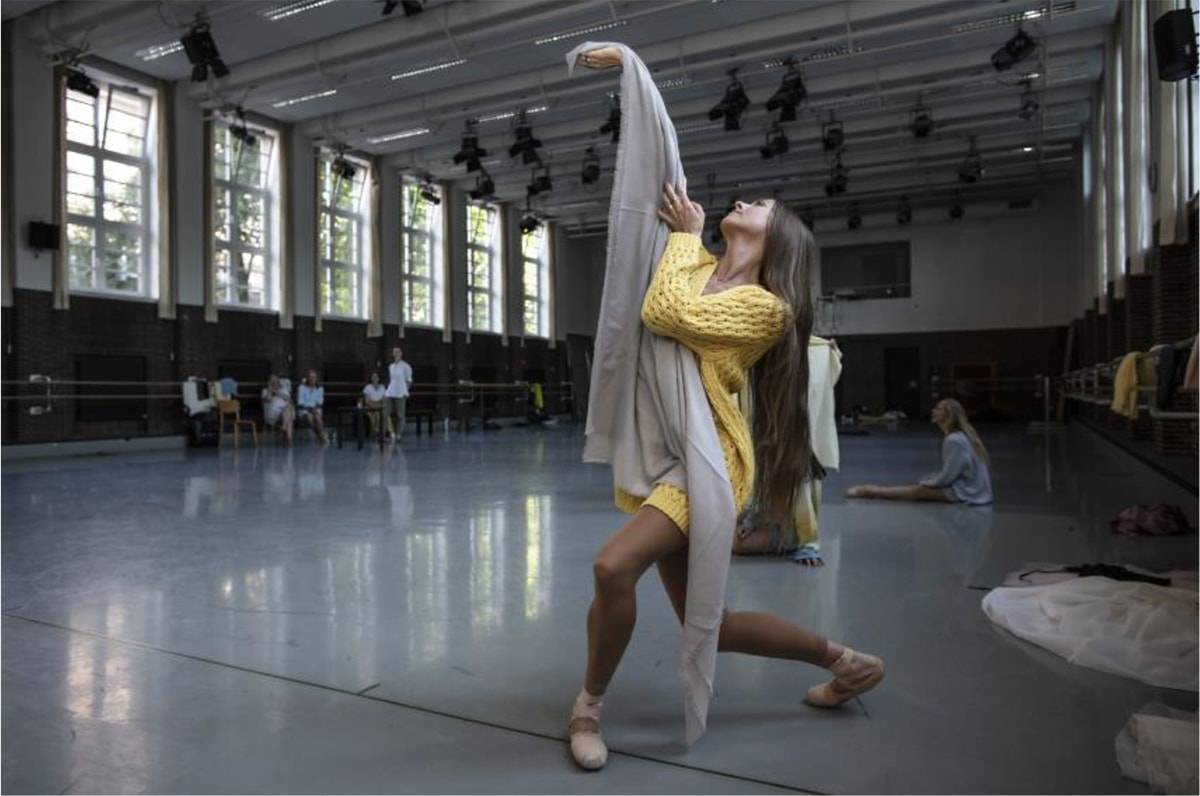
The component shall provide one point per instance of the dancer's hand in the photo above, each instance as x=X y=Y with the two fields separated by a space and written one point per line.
x=680 y=213
x=602 y=58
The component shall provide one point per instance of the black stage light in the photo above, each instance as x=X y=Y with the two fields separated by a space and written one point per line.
x=412 y=7
x=789 y=94
x=202 y=53
x=732 y=104
x=854 y=220
x=612 y=125
x=777 y=143
x=525 y=144
x=920 y=122
x=529 y=222
x=1015 y=50
x=833 y=137
x=904 y=215
x=469 y=151
x=591 y=167
x=839 y=178
x=343 y=168
x=1029 y=104
x=971 y=169
x=429 y=194
x=956 y=212
x=539 y=183
x=77 y=80
x=484 y=187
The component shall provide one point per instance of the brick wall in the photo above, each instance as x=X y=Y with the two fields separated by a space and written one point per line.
x=39 y=339
x=1173 y=300
x=1139 y=312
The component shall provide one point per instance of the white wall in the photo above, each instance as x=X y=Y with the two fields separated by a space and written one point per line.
x=1014 y=270
x=33 y=149
x=580 y=284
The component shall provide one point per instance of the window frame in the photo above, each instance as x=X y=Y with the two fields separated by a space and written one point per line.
x=361 y=221
x=272 y=224
x=147 y=229
x=494 y=291
x=542 y=298
x=433 y=235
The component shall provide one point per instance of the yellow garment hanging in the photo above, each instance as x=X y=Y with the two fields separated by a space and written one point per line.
x=1125 y=387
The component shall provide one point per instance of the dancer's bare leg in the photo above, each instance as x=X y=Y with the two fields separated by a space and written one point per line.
x=646 y=538
x=910 y=492
x=771 y=636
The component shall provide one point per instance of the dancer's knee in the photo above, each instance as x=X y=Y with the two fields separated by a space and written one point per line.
x=613 y=575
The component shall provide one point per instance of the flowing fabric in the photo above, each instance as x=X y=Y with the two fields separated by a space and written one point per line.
x=648 y=415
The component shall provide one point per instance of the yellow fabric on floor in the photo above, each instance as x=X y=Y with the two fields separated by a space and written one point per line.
x=1125 y=387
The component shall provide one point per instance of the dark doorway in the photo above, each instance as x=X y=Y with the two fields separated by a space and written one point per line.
x=902 y=380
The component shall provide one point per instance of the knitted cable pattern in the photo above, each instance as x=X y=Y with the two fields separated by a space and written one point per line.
x=728 y=332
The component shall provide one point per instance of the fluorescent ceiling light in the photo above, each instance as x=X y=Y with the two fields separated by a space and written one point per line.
x=1026 y=149
x=285 y=10
x=678 y=82
x=383 y=139
x=159 y=50
x=577 y=32
x=305 y=98
x=495 y=117
x=1057 y=9
x=424 y=70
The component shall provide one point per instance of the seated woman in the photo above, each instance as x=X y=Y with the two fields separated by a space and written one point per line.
x=309 y=404
x=277 y=407
x=373 y=400
x=964 y=477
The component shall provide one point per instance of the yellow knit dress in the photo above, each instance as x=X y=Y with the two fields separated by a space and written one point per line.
x=728 y=332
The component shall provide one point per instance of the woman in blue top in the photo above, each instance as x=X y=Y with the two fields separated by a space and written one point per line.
x=964 y=477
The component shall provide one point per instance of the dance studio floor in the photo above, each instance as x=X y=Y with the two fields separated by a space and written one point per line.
x=323 y=621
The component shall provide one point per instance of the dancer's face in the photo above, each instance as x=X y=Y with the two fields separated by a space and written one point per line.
x=748 y=220
x=938 y=415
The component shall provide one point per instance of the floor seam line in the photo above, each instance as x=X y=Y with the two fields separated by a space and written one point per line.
x=397 y=703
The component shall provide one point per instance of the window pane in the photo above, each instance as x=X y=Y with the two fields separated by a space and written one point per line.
x=418 y=303
x=224 y=275
x=221 y=215
x=221 y=155
x=81 y=118
x=122 y=192
x=81 y=244
x=121 y=260
x=251 y=213
x=345 y=240
x=250 y=280
x=531 y=317
x=81 y=184
x=125 y=127
x=346 y=192
x=479 y=269
x=530 y=278
x=480 y=310
x=416 y=252
x=253 y=162
x=345 y=292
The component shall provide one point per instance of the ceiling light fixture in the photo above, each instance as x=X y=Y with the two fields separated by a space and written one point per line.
x=307 y=97
x=956 y=211
x=525 y=144
x=424 y=70
x=971 y=169
x=833 y=136
x=77 y=80
x=1029 y=104
x=484 y=187
x=469 y=151
x=789 y=94
x=675 y=82
x=577 y=32
x=539 y=183
x=429 y=191
x=612 y=125
x=156 y=51
x=854 y=219
x=904 y=215
x=777 y=143
x=1004 y=20
x=397 y=136
x=920 y=122
x=202 y=53
x=1015 y=50
x=591 y=167
x=839 y=178
x=285 y=10
x=495 y=117
x=732 y=104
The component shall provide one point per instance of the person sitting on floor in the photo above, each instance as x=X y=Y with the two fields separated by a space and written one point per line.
x=964 y=477
x=374 y=402
x=277 y=407
x=309 y=403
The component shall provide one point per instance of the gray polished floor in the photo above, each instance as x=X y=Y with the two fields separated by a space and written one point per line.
x=323 y=621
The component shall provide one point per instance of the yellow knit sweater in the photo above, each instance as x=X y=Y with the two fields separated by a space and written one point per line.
x=728 y=332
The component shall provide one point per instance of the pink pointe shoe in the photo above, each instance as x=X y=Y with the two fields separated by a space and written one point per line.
x=587 y=744
x=854 y=673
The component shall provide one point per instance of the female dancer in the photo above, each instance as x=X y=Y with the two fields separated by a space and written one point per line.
x=748 y=309
x=964 y=477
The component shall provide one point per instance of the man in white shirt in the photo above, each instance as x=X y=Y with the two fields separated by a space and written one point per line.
x=399 y=381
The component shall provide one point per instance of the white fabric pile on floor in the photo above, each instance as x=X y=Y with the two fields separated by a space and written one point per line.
x=1158 y=746
x=1132 y=629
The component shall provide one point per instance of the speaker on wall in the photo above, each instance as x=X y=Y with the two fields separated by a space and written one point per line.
x=1175 y=45
x=43 y=236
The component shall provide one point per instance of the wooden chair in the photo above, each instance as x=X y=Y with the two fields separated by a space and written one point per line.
x=232 y=408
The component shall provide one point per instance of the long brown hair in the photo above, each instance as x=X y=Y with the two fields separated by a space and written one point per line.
x=957 y=421
x=779 y=382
